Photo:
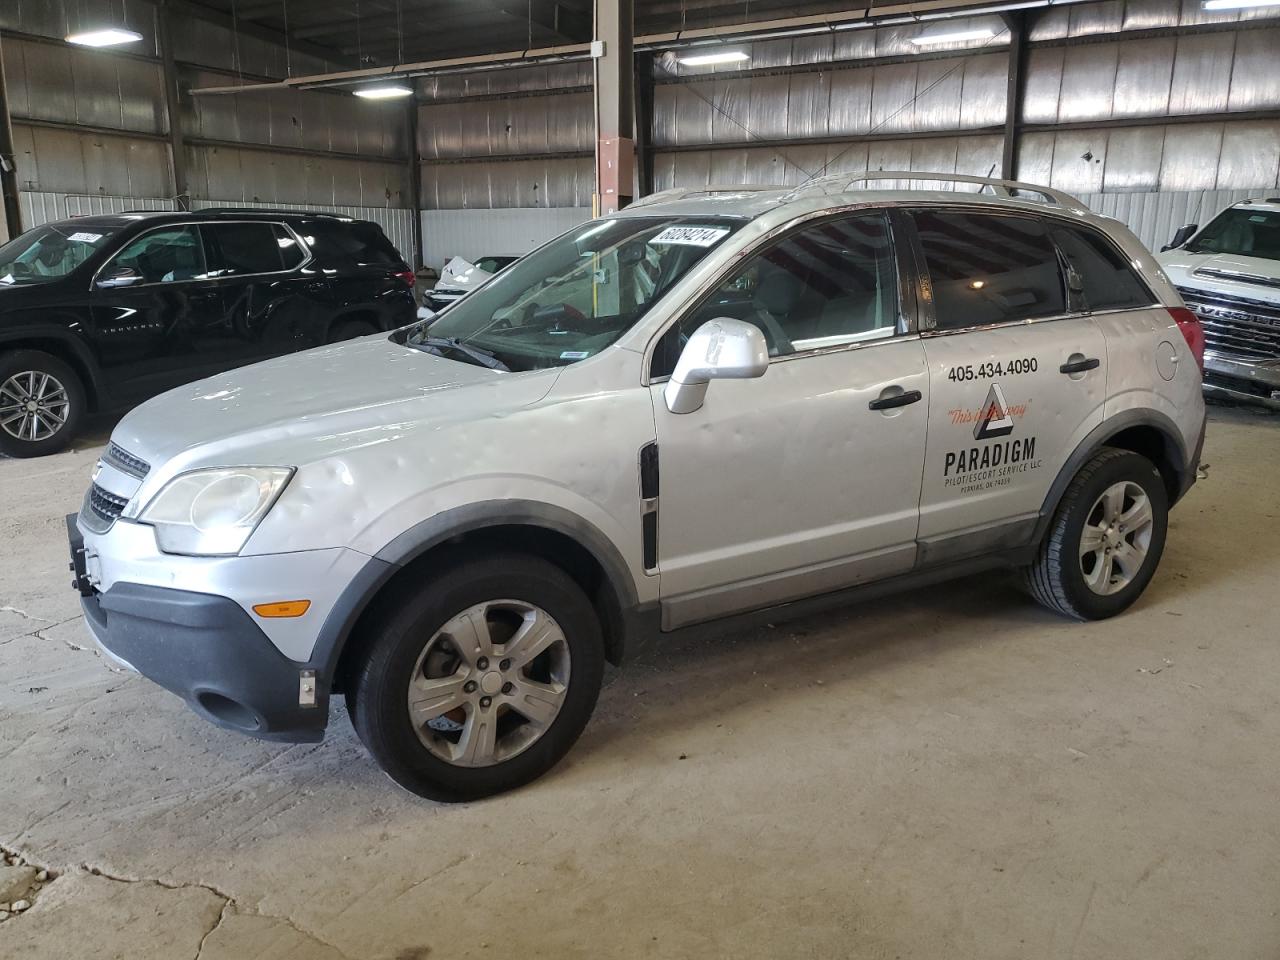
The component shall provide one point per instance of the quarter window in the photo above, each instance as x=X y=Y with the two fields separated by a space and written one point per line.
x=169 y=255
x=828 y=284
x=988 y=268
x=1107 y=280
x=240 y=249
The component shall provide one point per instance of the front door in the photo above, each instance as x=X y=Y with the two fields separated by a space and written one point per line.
x=806 y=479
x=1017 y=378
x=150 y=304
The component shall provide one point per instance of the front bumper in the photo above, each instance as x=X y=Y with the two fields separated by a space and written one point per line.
x=209 y=652
x=1247 y=381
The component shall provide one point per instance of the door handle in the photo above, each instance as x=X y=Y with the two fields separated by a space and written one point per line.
x=1080 y=366
x=897 y=400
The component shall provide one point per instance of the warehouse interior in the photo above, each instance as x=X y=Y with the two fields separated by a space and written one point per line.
x=947 y=772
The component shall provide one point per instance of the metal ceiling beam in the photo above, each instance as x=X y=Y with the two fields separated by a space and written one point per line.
x=8 y=162
x=173 y=106
x=209 y=15
x=1018 y=25
x=614 y=104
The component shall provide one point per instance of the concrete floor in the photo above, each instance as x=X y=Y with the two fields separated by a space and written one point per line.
x=955 y=774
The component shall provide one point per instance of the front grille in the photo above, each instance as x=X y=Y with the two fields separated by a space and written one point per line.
x=101 y=509
x=126 y=462
x=1237 y=326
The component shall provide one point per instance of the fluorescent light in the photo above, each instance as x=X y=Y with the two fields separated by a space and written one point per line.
x=1238 y=4
x=389 y=92
x=106 y=37
x=725 y=56
x=982 y=33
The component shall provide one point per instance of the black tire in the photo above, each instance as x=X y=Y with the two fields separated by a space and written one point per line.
x=378 y=688
x=350 y=329
x=36 y=361
x=1056 y=579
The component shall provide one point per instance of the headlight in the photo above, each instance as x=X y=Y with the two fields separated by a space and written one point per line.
x=213 y=512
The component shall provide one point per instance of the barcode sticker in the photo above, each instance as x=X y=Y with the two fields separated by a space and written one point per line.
x=85 y=237
x=691 y=236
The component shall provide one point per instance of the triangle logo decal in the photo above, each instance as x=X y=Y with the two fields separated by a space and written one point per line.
x=994 y=420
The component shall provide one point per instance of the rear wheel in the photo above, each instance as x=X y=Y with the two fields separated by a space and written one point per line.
x=1106 y=538
x=481 y=681
x=42 y=402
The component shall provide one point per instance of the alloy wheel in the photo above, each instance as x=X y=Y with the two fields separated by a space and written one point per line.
x=1116 y=537
x=33 y=405
x=489 y=683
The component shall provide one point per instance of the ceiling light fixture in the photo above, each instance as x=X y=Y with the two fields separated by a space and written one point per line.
x=388 y=92
x=982 y=33
x=106 y=37
x=707 y=59
x=1238 y=4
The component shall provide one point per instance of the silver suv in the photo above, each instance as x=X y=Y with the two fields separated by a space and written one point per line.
x=712 y=404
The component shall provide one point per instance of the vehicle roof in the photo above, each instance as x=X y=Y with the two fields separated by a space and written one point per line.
x=1270 y=204
x=726 y=202
x=210 y=213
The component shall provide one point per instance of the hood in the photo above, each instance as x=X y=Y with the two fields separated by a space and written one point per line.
x=307 y=406
x=459 y=274
x=1232 y=274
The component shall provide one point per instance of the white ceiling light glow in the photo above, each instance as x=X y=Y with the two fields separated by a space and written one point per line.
x=1238 y=4
x=389 y=92
x=955 y=36
x=106 y=37
x=707 y=59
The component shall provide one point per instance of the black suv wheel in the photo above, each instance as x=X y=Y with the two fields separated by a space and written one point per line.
x=42 y=402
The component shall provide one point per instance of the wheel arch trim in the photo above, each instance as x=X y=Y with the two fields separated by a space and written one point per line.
x=439 y=529
x=1098 y=438
x=28 y=337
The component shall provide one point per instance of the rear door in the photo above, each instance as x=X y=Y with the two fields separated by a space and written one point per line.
x=1017 y=376
x=271 y=302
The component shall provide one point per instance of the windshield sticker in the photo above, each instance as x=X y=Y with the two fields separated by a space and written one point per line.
x=575 y=354
x=85 y=237
x=691 y=236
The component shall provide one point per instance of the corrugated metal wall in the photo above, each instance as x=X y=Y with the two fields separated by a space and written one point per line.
x=93 y=122
x=504 y=232
x=857 y=100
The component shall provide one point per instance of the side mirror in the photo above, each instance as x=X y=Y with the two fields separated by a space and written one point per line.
x=721 y=349
x=1185 y=233
x=120 y=277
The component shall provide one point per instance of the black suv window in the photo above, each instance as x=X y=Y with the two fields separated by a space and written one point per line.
x=291 y=252
x=1106 y=279
x=989 y=268
x=826 y=284
x=360 y=243
x=238 y=249
x=167 y=255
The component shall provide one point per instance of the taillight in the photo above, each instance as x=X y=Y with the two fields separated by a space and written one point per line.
x=407 y=276
x=1189 y=324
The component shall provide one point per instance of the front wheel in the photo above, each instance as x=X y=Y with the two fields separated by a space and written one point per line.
x=1105 y=540
x=42 y=402
x=481 y=681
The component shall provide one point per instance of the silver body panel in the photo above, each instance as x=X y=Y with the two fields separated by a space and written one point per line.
x=776 y=488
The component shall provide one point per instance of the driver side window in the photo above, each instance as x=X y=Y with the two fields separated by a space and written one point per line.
x=167 y=255
x=827 y=284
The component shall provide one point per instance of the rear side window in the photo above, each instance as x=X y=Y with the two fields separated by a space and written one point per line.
x=291 y=253
x=360 y=243
x=240 y=249
x=1106 y=279
x=989 y=268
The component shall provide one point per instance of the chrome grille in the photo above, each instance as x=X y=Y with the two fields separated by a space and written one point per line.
x=101 y=509
x=1237 y=326
x=126 y=462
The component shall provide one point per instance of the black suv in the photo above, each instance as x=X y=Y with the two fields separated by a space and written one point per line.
x=98 y=313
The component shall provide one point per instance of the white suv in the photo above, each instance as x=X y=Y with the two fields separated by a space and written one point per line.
x=714 y=403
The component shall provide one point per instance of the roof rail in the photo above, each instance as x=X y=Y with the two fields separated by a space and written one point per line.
x=679 y=193
x=271 y=212
x=1009 y=189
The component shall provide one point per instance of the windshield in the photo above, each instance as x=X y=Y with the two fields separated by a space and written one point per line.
x=1243 y=232
x=575 y=296
x=50 y=252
